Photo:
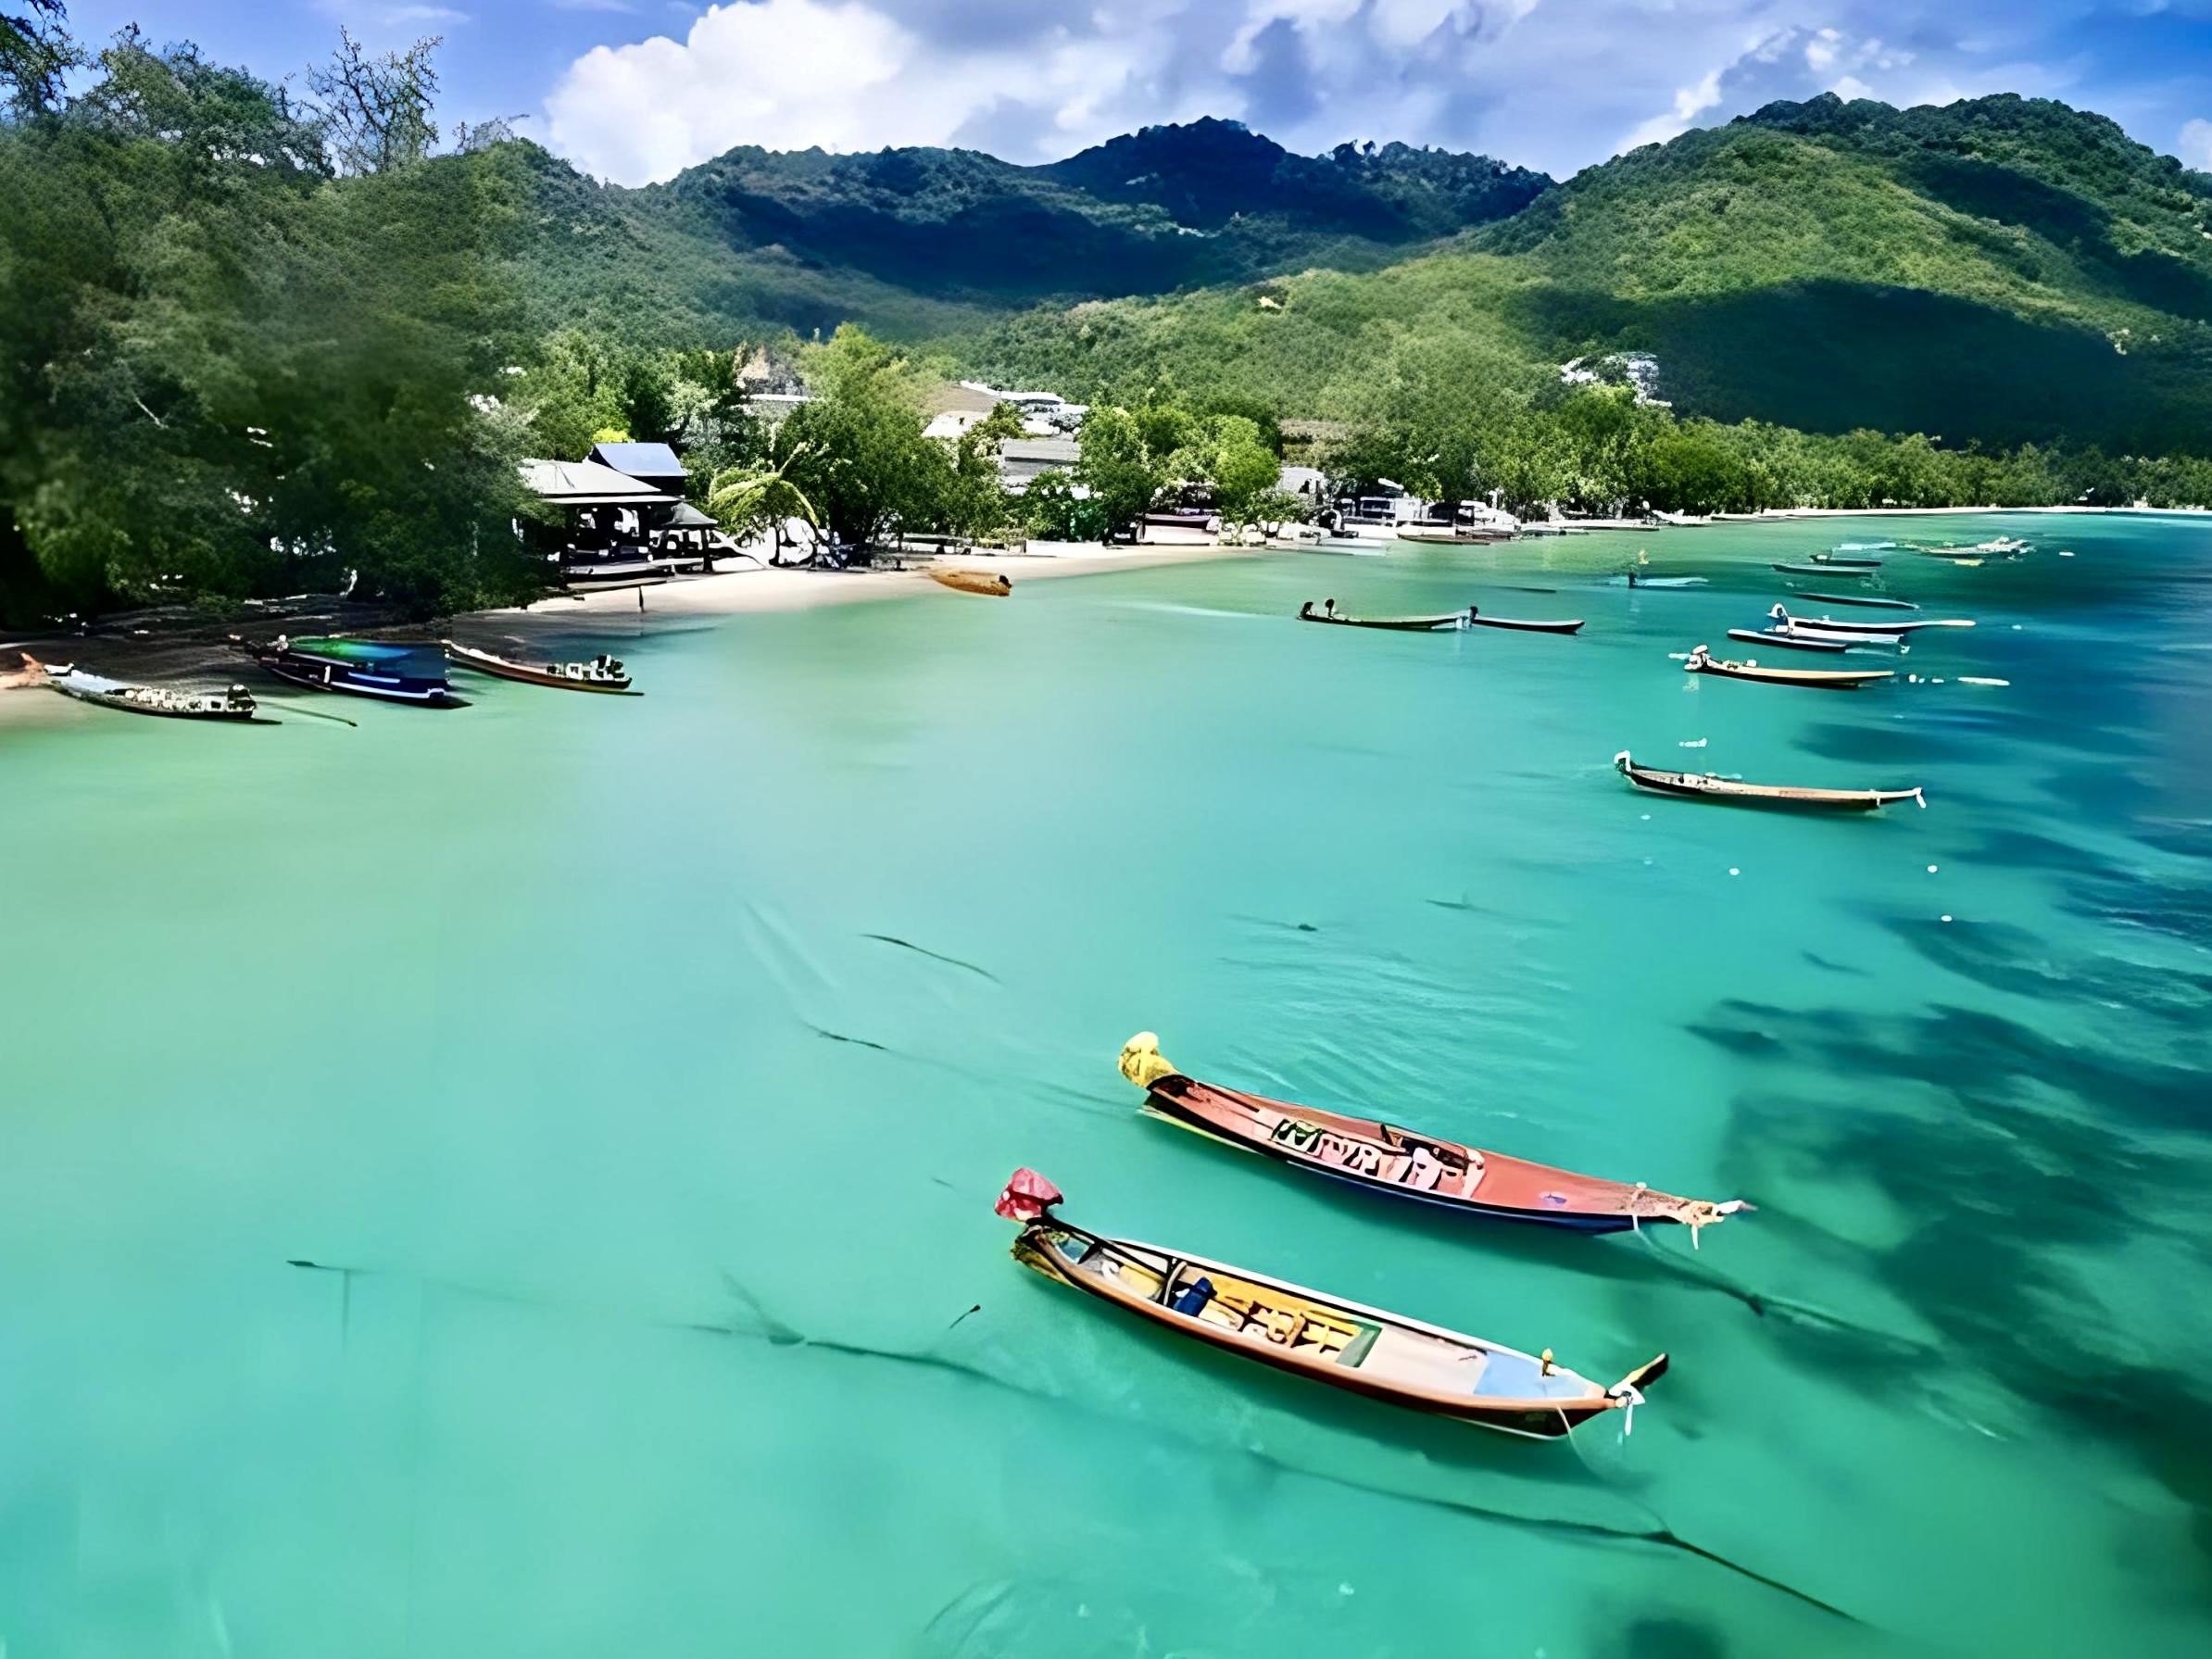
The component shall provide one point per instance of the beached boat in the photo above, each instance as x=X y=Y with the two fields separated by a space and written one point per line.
x=1401 y=624
x=1703 y=786
x=1309 y=1333
x=392 y=674
x=234 y=706
x=601 y=673
x=1892 y=625
x=994 y=583
x=1852 y=561
x=1869 y=600
x=1477 y=618
x=1401 y=1164
x=1790 y=642
x=1702 y=662
x=1820 y=570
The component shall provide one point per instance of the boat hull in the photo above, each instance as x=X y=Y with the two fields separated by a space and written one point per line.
x=1687 y=786
x=522 y=673
x=1477 y=619
x=1508 y=1188
x=1872 y=600
x=1390 y=624
x=1038 y=1249
x=1833 y=647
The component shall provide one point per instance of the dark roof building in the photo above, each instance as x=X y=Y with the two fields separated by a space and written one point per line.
x=650 y=463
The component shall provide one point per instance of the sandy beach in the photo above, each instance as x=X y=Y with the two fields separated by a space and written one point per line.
x=754 y=589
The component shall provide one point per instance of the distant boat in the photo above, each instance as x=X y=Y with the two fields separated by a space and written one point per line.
x=1860 y=600
x=1477 y=618
x=1790 y=642
x=1308 y=1333
x=995 y=584
x=1847 y=562
x=232 y=707
x=391 y=674
x=1703 y=786
x=1396 y=624
x=1821 y=569
x=1702 y=662
x=1634 y=580
x=1891 y=625
x=601 y=673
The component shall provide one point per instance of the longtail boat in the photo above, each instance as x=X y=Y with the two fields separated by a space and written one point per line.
x=1872 y=634
x=1401 y=1163
x=1829 y=624
x=1790 y=642
x=1820 y=570
x=234 y=706
x=1871 y=600
x=1703 y=786
x=1847 y=562
x=1634 y=580
x=601 y=673
x=392 y=674
x=1478 y=620
x=1311 y=1334
x=1702 y=662
x=995 y=584
x=1399 y=624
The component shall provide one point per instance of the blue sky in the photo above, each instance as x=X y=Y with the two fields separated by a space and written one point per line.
x=634 y=90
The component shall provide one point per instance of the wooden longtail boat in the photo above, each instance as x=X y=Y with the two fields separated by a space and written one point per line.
x=1892 y=625
x=1790 y=642
x=1703 y=786
x=1702 y=662
x=1633 y=580
x=1847 y=562
x=1402 y=1164
x=601 y=673
x=1871 y=599
x=993 y=583
x=1820 y=570
x=1846 y=636
x=1398 y=624
x=1309 y=1333
x=392 y=674
x=1477 y=618
x=234 y=706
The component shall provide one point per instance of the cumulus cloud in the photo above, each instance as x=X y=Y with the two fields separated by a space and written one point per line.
x=2194 y=146
x=1545 y=83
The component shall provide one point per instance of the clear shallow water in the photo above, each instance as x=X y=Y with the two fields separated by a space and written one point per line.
x=527 y=1016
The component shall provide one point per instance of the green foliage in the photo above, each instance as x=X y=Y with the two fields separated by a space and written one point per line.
x=36 y=52
x=223 y=371
x=1052 y=510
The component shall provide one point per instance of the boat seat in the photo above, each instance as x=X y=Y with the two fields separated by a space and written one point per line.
x=1191 y=1300
x=1423 y=1172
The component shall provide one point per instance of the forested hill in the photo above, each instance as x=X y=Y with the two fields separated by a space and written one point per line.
x=2001 y=268
x=910 y=240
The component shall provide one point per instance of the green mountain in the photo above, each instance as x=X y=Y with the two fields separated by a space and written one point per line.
x=2003 y=269
x=916 y=241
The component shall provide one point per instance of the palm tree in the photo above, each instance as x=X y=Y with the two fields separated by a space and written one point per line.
x=746 y=501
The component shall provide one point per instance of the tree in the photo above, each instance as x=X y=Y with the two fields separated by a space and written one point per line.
x=376 y=108
x=223 y=373
x=1245 y=471
x=973 y=502
x=855 y=449
x=35 y=53
x=749 y=502
x=1122 y=460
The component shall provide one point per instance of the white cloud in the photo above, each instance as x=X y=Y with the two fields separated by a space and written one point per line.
x=2194 y=146
x=843 y=75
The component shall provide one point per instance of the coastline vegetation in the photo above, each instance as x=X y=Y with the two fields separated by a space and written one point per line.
x=254 y=342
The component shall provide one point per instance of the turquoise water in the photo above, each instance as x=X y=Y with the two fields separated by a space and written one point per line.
x=650 y=1189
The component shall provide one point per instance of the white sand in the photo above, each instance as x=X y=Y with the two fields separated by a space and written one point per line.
x=752 y=589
